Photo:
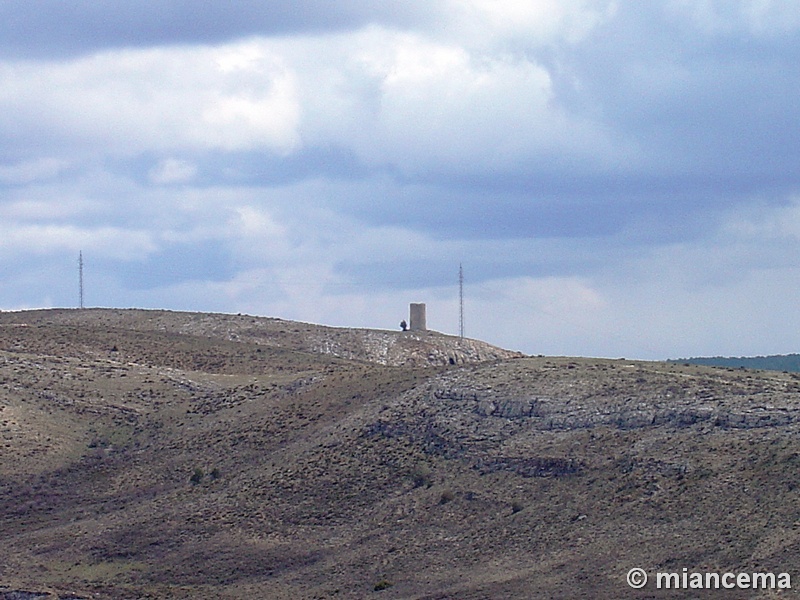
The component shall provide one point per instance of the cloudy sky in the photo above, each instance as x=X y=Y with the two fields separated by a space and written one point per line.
x=617 y=177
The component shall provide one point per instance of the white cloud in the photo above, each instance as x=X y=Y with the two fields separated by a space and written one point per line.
x=29 y=171
x=759 y=222
x=438 y=106
x=421 y=104
x=109 y=242
x=535 y=22
x=35 y=208
x=173 y=170
x=159 y=99
x=261 y=241
x=758 y=17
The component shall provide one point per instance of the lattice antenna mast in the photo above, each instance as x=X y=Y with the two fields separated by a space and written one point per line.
x=80 y=278
x=461 y=300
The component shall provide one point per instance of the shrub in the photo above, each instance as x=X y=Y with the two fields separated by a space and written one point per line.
x=197 y=476
x=383 y=584
x=422 y=476
x=447 y=496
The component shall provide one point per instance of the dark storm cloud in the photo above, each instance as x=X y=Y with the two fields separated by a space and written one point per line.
x=178 y=263
x=713 y=109
x=54 y=28
x=710 y=117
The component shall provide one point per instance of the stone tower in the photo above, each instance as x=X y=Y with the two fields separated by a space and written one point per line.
x=418 y=320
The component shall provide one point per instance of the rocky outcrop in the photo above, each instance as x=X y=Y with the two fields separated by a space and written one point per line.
x=568 y=398
x=405 y=348
x=475 y=412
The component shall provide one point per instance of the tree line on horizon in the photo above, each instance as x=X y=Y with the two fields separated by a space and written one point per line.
x=776 y=362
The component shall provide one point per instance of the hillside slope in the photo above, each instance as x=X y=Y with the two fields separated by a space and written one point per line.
x=168 y=455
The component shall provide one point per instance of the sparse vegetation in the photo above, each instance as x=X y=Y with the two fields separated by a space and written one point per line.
x=422 y=476
x=197 y=476
x=383 y=584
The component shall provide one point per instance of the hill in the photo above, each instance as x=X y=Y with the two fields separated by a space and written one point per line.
x=159 y=455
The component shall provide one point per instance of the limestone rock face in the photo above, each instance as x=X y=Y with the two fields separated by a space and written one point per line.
x=406 y=348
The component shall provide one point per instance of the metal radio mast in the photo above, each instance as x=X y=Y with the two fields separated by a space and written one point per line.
x=460 y=300
x=80 y=278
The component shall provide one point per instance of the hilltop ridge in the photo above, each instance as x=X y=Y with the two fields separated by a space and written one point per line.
x=384 y=347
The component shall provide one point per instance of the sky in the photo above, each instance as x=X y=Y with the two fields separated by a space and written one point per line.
x=617 y=178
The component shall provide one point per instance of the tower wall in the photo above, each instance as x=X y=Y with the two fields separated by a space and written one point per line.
x=418 y=319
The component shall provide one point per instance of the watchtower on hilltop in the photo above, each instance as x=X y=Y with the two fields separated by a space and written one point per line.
x=418 y=318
